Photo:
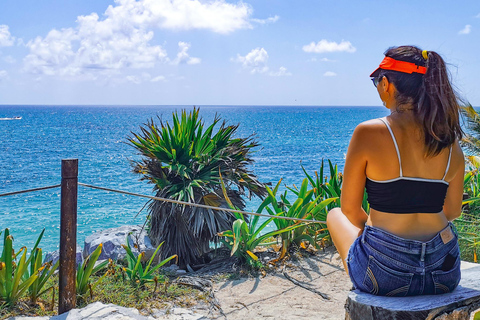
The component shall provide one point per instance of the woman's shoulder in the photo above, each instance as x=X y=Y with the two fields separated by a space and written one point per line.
x=370 y=127
x=369 y=135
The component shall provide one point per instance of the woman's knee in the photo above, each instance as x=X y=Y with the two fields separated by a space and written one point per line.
x=334 y=217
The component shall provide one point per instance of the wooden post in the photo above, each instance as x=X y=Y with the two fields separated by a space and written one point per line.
x=68 y=236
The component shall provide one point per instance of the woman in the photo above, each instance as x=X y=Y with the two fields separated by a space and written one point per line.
x=412 y=167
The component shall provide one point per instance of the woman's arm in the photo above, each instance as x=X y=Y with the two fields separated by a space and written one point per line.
x=452 y=207
x=354 y=177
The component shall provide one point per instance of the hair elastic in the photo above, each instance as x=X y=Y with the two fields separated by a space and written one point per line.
x=425 y=54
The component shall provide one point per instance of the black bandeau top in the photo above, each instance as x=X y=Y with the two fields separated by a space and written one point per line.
x=407 y=194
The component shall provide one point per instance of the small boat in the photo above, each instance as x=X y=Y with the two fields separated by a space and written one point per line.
x=14 y=118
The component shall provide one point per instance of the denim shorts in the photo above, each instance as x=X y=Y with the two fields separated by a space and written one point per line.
x=384 y=264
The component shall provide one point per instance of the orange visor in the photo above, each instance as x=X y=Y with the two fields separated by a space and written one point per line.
x=396 y=65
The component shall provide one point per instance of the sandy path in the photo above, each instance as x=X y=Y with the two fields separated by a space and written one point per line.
x=275 y=297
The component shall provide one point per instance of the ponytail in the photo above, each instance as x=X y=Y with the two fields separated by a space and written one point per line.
x=435 y=102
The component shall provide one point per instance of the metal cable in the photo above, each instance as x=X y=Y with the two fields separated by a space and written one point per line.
x=200 y=205
x=29 y=190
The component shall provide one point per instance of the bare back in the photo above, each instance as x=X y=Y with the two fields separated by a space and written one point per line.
x=382 y=163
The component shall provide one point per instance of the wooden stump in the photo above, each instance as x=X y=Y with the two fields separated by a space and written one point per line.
x=456 y=305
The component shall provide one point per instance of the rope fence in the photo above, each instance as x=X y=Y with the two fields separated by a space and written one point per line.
x=68 y=225
x=199 y=205
x=166 y=200
x=28 y=190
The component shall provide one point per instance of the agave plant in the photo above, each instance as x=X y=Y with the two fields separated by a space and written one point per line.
x=183 y=161
x=306 y=206
x=45 y=271
x=245 y=236
x=330 y=187
x=471 y=141
x=86 y=269
x=13 y=282
x=136 y=272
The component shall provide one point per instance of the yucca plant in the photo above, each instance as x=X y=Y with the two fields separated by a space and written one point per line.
x=183 y=161
x=245 y=236
x=135 y=272
x=86 y=269
x=468 y=225
x=330 y=187
x=44 y=270
x=471 y=139
x=13 y=282
x=471 y=186
x=305 y=206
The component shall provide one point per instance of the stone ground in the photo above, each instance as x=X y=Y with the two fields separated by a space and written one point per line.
x=276 y=297
x=270 y=297
x=265 y=297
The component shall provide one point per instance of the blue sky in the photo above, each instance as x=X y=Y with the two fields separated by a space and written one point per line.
x=195 y=52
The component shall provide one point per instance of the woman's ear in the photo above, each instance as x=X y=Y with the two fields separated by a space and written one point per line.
x=388 y=86
x=385 y=83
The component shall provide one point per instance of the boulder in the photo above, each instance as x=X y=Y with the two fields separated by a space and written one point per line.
x=113 y=239
x=457 y=305
x=55 y=255
x=100 y=311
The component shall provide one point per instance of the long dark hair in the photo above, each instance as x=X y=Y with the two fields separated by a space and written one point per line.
x=435 y=103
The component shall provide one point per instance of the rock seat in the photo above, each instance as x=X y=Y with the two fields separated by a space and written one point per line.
x=457 y=305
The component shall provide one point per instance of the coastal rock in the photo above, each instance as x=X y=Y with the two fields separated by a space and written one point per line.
x=113 y=239
x=98 y=310
x=55 y=255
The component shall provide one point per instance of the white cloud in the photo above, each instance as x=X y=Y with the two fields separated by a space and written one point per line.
x=326 y=46
x=134 y=79
x=183 y=56
x=3 y=75
x=122 y=38
x=266 y=21
x=477 y=16
x=314 y=59
x=329 y=74
x=159 y=78
x=466 y=30
x=255 y=60
x=9 y=59
x=217 y=15
x=93 y=47
x=282 y=71
x=6 y=39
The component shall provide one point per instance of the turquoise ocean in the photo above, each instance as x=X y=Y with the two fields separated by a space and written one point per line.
x=31 y=150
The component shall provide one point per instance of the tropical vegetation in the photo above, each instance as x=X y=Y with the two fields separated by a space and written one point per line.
x=27 y=282
x=135 y=272
x=188 y=161
x=183 y=160
x=305 y=206
x=85 y=270
x=14 y=277
x=468 y=225
x=330 y=186
x=245 y=235
x=45 y=272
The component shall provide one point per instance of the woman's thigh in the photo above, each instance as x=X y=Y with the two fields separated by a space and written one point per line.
x=342 y=231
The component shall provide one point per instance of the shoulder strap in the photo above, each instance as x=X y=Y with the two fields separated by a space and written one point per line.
x=396 y=146
x=448 y=163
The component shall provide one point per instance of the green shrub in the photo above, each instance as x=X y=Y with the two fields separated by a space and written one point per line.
x=135 y=272
x=306 y=207
x=14 y=278
x=183 y=162
x=86 y=269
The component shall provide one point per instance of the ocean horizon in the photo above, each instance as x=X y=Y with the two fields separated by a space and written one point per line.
x=32 y=149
